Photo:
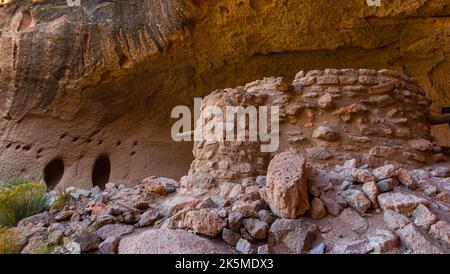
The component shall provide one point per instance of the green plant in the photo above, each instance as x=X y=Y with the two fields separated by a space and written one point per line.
x=62 y=198
x=9 y=241
x=15 y=181
x=20 y=201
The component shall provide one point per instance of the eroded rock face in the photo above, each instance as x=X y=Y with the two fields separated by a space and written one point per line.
x=76 y=83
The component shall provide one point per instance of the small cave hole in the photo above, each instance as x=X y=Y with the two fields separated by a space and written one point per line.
x=75 y=139
x=132 y=153
x=100 y=142
x=40 y=150
x=18 y=146
x=9 y=145
x=125 y=62
x=118 y=143
x=53 y=172
x=63 y=136
x=27 y=147
x=101 y=171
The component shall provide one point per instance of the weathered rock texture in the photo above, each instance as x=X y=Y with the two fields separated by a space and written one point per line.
x=78 y=83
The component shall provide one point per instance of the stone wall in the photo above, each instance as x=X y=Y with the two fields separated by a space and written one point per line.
x=376 y=117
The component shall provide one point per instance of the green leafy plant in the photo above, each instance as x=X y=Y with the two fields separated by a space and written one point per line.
x=19 y=199
x=10 y=241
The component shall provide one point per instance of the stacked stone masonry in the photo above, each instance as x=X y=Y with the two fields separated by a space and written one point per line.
x=376 y=117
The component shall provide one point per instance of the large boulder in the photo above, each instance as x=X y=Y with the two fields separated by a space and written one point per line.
x=167 y=241
x=286 y=190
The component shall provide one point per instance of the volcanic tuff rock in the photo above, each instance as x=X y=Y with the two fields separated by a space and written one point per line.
x=79 y=83
x=286 y=188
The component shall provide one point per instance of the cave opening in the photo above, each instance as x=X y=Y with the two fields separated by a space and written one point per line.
x=101 y=171
x=53 y=172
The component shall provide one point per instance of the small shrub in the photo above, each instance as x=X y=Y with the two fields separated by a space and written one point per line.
x=62 y=198
x=10 y=241
x=15 y=181
x=20 y=201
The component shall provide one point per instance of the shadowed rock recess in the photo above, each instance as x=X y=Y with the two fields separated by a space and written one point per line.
x=79 y=84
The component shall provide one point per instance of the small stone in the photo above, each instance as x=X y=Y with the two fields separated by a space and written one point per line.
x=381 y=151
x=102 y=220
x=230 y=237
x=423 y=217
x=405 y=177
x=325 y=133
x=287 y=236
x=265 y=216
x=72 y=247
x=319 y=153
x=357 y=200
x=141 y=204
x=441 y=172
x=319 y=249
x=263 y=249
x=87 y=241
x=371 y=191
x=402 y=203
x=261 y=180
x=64 y=215
x=245 y=247
x=204 y=222
x=382 y=100
x=116 y=230
x=441 y=231
x=351 y=247
x=331 y=205
x=317 y=210
x=112 y=210
x=384 y=172
x=235 y=221
x=357 y=175
x=131 y=217
x=230 y=190
x=394 y=220
x=55 y=237
x=148 y=218
x=162 y=186
x=421 y=144
x=350 y=163
x=326 y=101
x=247 y=208
x=382 y=241
x=387 y=185
x=413 y=239
x=256 y=228
x=354 y=220
x=109 y=245
x=35 y=245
